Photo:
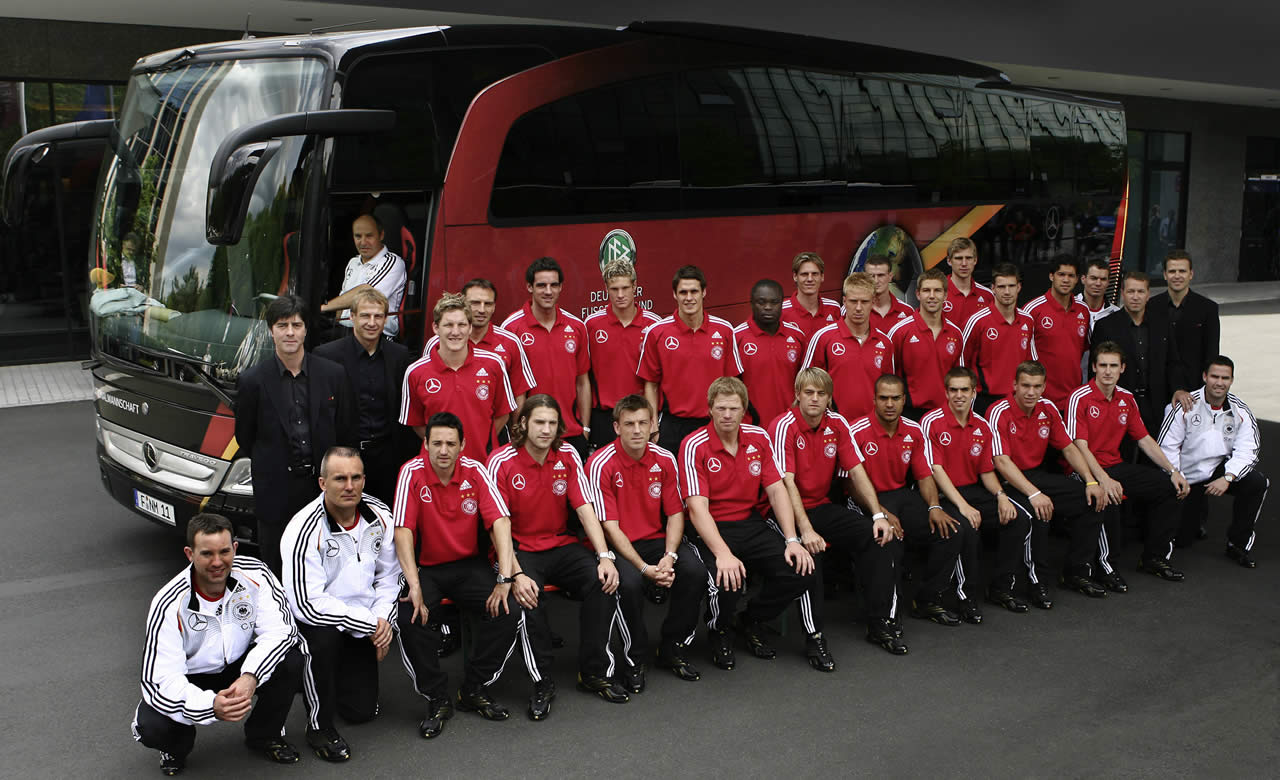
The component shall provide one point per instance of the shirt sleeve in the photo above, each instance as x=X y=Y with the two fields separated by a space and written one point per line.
x=274 y=634
x=784 y=452
x=602 y=479
x=504 y=401
x=1077 y=424
x=164 y=666
x=649 y=367
x=580 y=491
x=985 y=463
x=521 y=370
x=582 y=355
x=386 y=578
x=405 y=511
x=1058 y=436
x=815 y=353
x=303 y=568
x=693 y=472
x=671 y=502
x=847 y=449
x=1172 y=433
x=969 y=344
x=770 y=474
x=1136 y=427
x=732 y=360
x=492 y=505
x=921 y=463
x=411 y=408
x=1244 y=450
x=390 y=279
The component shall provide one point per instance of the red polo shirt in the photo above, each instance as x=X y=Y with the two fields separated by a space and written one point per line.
x=540 y=494
x=684 y=362
x=732 y=484
x=615 y=351
x=813 y=455
x=960 y=307
x=769 y=366
x=478 y=391
x=888 y=458
x=558 y=355
x=897 y=311
x=993 y=347
x=1026 y=437
x=925 y=360
x=446 y=518
x=638 y=494
x=809 y=324
x=1103 y=423
x=505 y=345
x=963 y=451
x=1059 y=339
x=854 y=366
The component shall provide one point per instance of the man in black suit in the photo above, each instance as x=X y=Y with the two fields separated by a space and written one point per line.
x=1191 y=322
x=375 y=368
x=1144 y=344
x=290 y=409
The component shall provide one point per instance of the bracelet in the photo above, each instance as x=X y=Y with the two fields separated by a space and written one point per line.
x=645 y=568
x=795 y=539
x=517 y=574
x=933 y=507
x=879 y=516
x=1091 y=484
x=1037 y=493
x=586 y=429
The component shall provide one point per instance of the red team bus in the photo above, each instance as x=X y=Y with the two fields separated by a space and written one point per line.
x=234 y=171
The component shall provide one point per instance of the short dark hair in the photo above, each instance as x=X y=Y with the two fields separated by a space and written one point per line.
x=207 y=523
x=284 y=307
x=1136 y=275
x=338 y=452
x=1220 y=360
x=1006 y=269
x=443 y=420
x=520 y=432
x=890 y=379
x=1030 y=368
x=877 y=259
x=935 y=274
x=543 y=264
x=1106 y=348
x=1177 y=254
x=1063 y=259
x=1098 y=262
x=688 y=272
x=961 y=371
x=630 y=403
x=767 y=284
x=486 y=284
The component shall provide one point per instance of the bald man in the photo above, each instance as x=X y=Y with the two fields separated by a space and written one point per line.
x=373 y=268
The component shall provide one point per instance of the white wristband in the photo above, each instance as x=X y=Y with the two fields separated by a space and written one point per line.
x=1033 y=495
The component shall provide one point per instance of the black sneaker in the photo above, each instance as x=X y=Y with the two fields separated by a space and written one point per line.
x=1112 y=581
x=883 y=632
x=633 y=678
x=753 y=632
x=438 y=711
x=275 y=749
x=672 y=656
x=480 y=702
x=1159 y=567
x=544 y=691
x=1240 y=556
x=970 y=612
x=815 y=648
x=328 y=745
x=1080 y=582
x=722 y=655
x=603 y=687
x=933 y=610
x=171 y=765
x=1003 y=598
x=1038 y=595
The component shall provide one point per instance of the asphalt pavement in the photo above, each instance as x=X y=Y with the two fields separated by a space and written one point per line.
x=1169 y=680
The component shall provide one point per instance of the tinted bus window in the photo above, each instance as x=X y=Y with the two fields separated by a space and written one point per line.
x=997 y=159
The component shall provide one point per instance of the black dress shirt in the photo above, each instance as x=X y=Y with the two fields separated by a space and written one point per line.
x=296 y=395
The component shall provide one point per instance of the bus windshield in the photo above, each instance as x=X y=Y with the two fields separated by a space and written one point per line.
x=158 y=288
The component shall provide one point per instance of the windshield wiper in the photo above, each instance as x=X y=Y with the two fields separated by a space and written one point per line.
x=195 y=366
x=174 y=60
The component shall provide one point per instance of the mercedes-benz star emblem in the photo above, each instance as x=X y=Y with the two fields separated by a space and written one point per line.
x=151 y=457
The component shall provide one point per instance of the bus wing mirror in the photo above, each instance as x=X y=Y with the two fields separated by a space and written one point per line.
x=245 y=152
x=30 y=150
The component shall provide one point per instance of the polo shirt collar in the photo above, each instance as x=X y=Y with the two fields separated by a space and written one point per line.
x=528 y=310
x=282 y=369
x=713 y=438
x=756 y=330
x=436 y=357
x=381 y=257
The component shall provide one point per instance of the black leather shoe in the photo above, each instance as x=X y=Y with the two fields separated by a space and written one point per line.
x=1112 y=581
x=1038 y=595
x=171 y=765
x=544 y=691
x=815 y=649
x=970 y=612
x=633 y=679
x=722 y=655
x=999 y=597
x=603 y=687
x=933 y=610
x=1082 y=584
x=881 y=631
x=753 y=633
x=673 y=657
x=438 y=711
x=1161 y=569
x=1241 y=556
x=478 y=701
x=328 y=745
x=275 y=749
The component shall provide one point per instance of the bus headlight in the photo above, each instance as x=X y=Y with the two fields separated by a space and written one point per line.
x=239 y=480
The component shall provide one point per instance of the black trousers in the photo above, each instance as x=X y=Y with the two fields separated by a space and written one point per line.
x=344 y=669
x=759 y=545
x=1013 y=553
x=1070 y=502
x=569 y=567
x=381 y=469
x=1249 y=492
x=877 y=567
x=943 y=554
x=580 y=444
x=601 y=428
x=984 y=401
x=683 y=603
x=1150 y=487
x=266 y=721
x=468 y=583
x=301 y=487
x=672 y=430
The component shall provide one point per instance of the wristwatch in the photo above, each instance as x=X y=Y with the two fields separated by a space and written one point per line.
x=879 y=516
x=504 y=580
x=672 y=555
x=795 y=539
x=1229 y=478
x=607 y=555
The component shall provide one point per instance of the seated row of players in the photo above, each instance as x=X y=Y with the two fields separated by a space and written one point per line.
x=342 y=577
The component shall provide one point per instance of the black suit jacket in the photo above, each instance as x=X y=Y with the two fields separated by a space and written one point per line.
x=261 y=430
x=1195 y=339
x=1116 y=327
x=345 y=352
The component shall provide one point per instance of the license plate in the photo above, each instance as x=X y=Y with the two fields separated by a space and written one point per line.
x=154 y=507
